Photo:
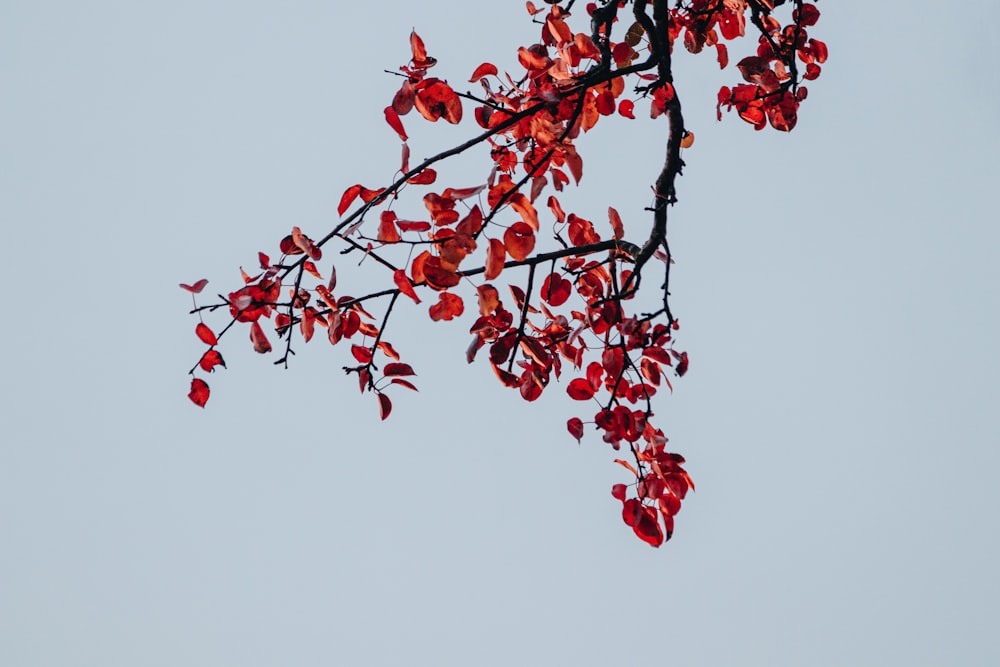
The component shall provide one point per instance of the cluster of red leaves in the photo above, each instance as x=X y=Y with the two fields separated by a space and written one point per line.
x=772 y=93
x=575 y=319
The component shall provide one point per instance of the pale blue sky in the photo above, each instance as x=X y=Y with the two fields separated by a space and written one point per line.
x=838 y=289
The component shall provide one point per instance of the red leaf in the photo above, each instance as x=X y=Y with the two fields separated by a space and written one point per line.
x=484 y=70
x=437 y=276
x=260 y=342
x=404 y=383
x=616 y=223
x=308 y=323
x=606 y=103
x=395 y=123
x=205 y=334
x=310 y=268
x=384 y=406
x=387 y=349
x=519 y=241
x=350 y=194
x=556 y=289
x=682 y=363
x=420 y=58
x=387 y=231
x=199 y=392
x=658 y=354
x=580 y=390
x=397 y=369
x=197 y=287
x=557 y=209
x=723 y=54
x=362 y=354
x=448 y=307
x=402 y=102
x=643 y=521
x=618 y=491
x=404 y=284
x=425 y=177
x=627 y=108
x=462 y=193
x=210 y=360
x=575 y=428
x=496 y=255
x=436 y=99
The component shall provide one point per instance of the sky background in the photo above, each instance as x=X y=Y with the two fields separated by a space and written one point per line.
x=838 y=294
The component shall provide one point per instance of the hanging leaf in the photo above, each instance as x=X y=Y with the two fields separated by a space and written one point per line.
x=384 y=406
x=195 y=288
x=260 y=342
x=404 y=284
x=397 y=369
x=206 y=335
x=199 y=392
x=392 y=118
x=575 y=428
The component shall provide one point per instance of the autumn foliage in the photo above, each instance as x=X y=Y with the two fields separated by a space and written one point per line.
x=542 y=312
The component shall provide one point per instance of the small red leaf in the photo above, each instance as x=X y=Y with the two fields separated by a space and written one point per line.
x=575 y=428
x=404 y=383
x=199 y=392
x=210 y=360
x=616 y=223
x=384 y=406
x=404 y=285
x=425 y=177
x=484 y=70
x=395 y=123
x=387 y=231
x=411 y=226
x=519 y=241
x=618 y=491
x=259 y=340
x=448 y=307
x=197 y=287
x=397 y=369
x=350 y=194
x=496 y=255
x=205 y=334
x=580 y=390
x=362 y=354
x=627 y=108
x=556 y=289
x=310 y=268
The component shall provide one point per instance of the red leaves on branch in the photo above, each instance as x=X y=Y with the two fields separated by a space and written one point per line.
x=573 y=315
